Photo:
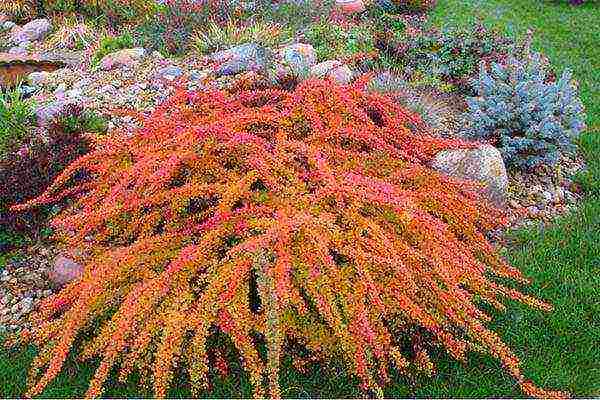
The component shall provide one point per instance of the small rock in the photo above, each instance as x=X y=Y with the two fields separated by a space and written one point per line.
x=31 y=31
x=59 y=92
x=26 y=305
x=196 y=75
x=64 y=271
x=122 y=58
x=39 y=78
x=170 y=73
x=333 y=69
x=81 y=84
x=15 y=309
x=17 y=51
x=8 y=25
x=546 y=197
x=483 y=164
x=514 y=204
x=75 y=94
x=157 y=55
x=108 y=89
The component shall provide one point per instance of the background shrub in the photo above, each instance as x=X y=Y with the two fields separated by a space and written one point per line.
x=171 y=28
x=450 y=55
x=214 y=37
x=72 y=34
x=336 y=42
x=530 y=118
x=16 y=118
x=110 y=44
x=406 y=6
x=27 y=171
x=300 y=222
x=18 y=10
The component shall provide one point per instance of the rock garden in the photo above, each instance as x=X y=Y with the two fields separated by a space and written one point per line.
x=269 y=198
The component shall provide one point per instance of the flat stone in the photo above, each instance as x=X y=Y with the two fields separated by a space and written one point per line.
x=483 y=165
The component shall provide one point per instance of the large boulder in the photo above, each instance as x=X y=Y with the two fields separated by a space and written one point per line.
x=243 y=58
x=64 y=271
x=483 y=165
x=333 y=69
x=31 y=31
x=297 y=59
x=122 y=58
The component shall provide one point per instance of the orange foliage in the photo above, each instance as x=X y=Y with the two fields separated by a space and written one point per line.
x=318 y=200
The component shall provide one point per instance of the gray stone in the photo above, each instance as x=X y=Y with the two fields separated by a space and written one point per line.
x=546 y=196
x=483 y=165
x=108 y=89
x=74 y=94
x=297 y=59
x=64 y=271
x=242 y=58
x=334 y=70
x=15 y=309
x=80 y=84
x=31 y=31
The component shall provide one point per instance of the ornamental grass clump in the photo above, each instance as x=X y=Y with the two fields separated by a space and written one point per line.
x=279 y=219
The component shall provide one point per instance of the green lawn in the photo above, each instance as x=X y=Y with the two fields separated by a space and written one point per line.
x=559 y=350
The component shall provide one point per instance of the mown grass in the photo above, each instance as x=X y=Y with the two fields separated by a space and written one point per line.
x=558 y=350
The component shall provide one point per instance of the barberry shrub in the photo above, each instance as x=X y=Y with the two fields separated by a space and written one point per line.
x=279 y=219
